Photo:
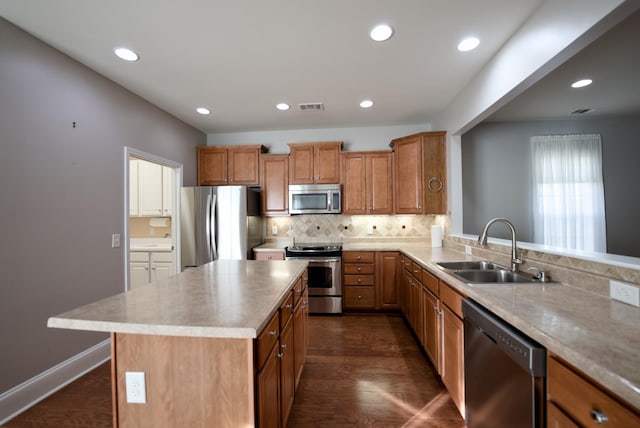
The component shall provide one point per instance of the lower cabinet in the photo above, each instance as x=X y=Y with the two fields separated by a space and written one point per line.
x=576 y=401
x=371 y=280
x=146 y=267
x=285 y=340
x=452 y=363
x=388 y=279
x=432 y=326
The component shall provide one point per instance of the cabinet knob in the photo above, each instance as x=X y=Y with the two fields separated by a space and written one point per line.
x=283 y=346
x=289 y=306
x=358 y=258
x=273 y=333
x=599 y=416
x=280 y=355
x=269 y=257
x=359 y=279
x=359 y=297
x=359 y=269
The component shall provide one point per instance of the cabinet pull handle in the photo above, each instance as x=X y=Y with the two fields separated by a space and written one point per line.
x=280 y=355
x=283 y=346
x=435 y=180
x=289 y=306
x=599 y=416
x=273 y=333
x=358 y=258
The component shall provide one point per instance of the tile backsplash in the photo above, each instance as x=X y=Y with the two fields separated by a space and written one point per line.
x=338 y=227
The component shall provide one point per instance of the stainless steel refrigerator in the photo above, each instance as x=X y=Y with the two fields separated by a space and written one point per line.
x=219 y=223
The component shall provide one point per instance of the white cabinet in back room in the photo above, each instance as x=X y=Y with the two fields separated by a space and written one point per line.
x=146 y=267
x=150 y=189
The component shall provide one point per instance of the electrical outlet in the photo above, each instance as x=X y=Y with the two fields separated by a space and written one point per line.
x=370 y=229
x=115 y=240
x=136 y=391
x=625 y=293
x=274 y=230
x=467 y=250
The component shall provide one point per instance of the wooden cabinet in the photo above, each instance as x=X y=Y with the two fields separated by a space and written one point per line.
x=432 y=327
x=420 y=173
x=314 y=163
x=229 y=165
x=268 y=254
x=358 y=270
x=367 y=179
x=574 y=400
x=274 y=179
x=388 y=276
x=452 y=360
x=285 y=340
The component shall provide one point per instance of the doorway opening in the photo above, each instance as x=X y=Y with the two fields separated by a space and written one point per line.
x=151 y=217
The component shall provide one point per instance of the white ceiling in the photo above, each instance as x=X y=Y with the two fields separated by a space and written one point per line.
x=241 y=57
x=611 y=61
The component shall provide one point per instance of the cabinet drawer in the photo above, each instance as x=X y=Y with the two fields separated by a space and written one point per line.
x=359 y=297
x=139 y=256
x=269 y=255
x=286 y=310
x=416 y=271
x=406 y=263
x=451 y=298
x=162 y=256
x=359 y=280
x=430 y=281
x=298 y=290
x=358 y=268
x=357 y=256
x=267 y=338
x=578 y=397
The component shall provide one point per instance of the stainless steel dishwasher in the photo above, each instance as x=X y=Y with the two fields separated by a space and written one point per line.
x=504 y=372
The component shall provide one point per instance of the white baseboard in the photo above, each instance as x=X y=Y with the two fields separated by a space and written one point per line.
x=21 y=397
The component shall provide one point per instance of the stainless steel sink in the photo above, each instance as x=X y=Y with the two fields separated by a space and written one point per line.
x=497 y=276
x=476 y=273
x=468 y=265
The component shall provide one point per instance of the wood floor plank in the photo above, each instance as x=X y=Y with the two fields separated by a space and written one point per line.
x=361 y=371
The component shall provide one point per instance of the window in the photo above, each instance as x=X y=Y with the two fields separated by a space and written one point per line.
x=568 y=192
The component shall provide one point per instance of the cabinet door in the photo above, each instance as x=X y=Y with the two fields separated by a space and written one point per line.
x=287 y=372
x=268 y=381
x=327 y=163
x=301 y=164
x=161 y=271
x=138 y=274
x=556 y=418
x=388 y=279
x=435 y=173
x=133 y=188
x=379 y=183
x=150 y=188
x=300 y=320
x=274 y=171
x=432 y=328
x=408 y=176
x=212 y=166
x=354 y=184
x=269 y=255
x=243 y=166
x=167 y=191
x=452 y=372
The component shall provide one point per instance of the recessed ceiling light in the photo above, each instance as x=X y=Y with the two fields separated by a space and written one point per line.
x=381 y=32
x=581 y=83
x=366 y=103
x=282 y=106
x=203 y=110
x=126 y=54
x=468 y=44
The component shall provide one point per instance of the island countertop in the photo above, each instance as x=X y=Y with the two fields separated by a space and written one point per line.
x=225 y=299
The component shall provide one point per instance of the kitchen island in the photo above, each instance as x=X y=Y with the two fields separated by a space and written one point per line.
x=201 y=339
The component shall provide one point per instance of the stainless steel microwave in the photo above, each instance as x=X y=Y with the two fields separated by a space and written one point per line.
x=315 y=199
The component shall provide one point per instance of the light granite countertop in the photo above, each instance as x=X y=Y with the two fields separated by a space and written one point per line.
x=231 y=299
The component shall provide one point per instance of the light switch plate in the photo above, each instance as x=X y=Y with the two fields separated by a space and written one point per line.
x=467 y=250
x=115 y=240
x=136 y=391
x=625 y=293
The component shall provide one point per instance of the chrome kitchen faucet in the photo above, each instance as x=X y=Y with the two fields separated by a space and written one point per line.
x=515 y=259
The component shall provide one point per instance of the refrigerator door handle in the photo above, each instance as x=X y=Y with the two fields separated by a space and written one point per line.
x=212 y=228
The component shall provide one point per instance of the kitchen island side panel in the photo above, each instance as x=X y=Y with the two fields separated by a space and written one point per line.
x=190 y=381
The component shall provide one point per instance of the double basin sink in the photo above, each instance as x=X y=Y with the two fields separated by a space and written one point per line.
x=488 y=273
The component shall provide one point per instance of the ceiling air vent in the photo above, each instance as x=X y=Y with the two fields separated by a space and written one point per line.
x=581 y=111
x=311 y=107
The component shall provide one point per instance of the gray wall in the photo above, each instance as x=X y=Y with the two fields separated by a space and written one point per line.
x=496 y=176
x=62 y=196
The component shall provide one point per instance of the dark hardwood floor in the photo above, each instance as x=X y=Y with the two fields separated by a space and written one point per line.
x=361 y=371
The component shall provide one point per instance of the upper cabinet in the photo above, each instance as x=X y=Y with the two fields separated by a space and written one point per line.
x=367 y=181
x=150 y=189
x=420 y=173
x=274 y=179
x=229 y=165
x=315 y=163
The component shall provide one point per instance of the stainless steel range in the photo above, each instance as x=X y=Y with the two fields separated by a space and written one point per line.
x=325 y=274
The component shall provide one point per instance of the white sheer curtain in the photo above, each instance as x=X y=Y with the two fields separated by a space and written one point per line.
x=568 y=192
